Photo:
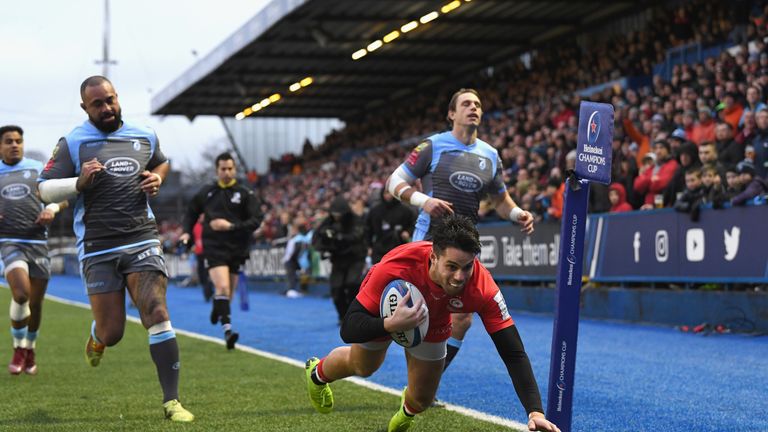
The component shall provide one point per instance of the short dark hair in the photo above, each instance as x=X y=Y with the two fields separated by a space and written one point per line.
x=11 y=128
x=664 y=143
x=709 y=168
x=92 y=81
x=223 y=157
x=695 y=170
x=455 y=100
x=455 y=231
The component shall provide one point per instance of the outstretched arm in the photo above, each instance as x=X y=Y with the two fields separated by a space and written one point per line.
x=511 y=350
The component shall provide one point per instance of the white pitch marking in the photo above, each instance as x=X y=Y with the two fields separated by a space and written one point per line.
x=359 y=381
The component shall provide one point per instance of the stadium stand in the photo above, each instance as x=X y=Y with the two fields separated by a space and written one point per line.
x=684 y=72
x=530 y=114
x=690 y=73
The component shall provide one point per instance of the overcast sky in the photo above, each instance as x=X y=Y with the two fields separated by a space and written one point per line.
x=49 y=46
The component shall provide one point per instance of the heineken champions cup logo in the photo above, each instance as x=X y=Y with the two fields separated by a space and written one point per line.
x=593 y=127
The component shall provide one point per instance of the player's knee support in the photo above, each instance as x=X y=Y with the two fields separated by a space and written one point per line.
x=16 y=265
x=160 y=327
x=161 y=332
x=19 y=311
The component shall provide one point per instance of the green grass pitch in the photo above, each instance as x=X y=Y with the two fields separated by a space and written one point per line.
x=227 y=391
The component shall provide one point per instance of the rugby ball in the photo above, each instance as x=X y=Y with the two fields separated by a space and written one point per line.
x=391 y=297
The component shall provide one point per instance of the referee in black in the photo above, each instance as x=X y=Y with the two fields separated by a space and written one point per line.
x=231 y=214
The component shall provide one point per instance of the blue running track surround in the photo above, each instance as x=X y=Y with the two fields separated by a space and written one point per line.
x=628 y=377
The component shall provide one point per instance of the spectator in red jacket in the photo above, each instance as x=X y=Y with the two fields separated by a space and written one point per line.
x=618 y=197
x=643 y=139
x=732 y=111
x=704 y=129
x=555 y=190
x=653 y=179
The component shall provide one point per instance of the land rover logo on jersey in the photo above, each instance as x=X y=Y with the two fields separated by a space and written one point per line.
x=593 y=127
x=122 y=166
x=136 y=145
x=466 y=181
x=456 y=303
x=15 y=191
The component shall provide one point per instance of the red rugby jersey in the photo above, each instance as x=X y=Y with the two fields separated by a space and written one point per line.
x=410 y=262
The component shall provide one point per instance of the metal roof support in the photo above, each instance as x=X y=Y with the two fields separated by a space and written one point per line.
x=284 y=43
x=236 y=149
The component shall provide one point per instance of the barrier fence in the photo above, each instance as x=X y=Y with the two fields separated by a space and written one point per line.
x=724 y=246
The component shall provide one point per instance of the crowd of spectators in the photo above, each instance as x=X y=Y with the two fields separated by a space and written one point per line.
x=707 y=121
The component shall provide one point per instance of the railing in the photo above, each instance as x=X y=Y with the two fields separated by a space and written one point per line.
x=646 y=247
x=687 y=54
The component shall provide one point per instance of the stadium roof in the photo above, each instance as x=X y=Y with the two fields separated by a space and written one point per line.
x=290 y=40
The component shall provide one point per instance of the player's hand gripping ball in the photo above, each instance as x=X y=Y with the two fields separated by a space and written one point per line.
x=391 y=297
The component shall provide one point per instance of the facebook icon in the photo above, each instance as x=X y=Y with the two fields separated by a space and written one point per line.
x=636 y=246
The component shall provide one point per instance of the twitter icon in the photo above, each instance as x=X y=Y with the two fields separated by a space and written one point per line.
x=731 y=240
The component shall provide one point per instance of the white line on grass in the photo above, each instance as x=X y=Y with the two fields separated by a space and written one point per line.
x=359 y=381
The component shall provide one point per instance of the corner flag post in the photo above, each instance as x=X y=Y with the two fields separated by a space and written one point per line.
x=593 y=163
x=242 y=287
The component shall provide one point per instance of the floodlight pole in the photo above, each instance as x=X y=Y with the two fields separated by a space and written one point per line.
x=105 y=60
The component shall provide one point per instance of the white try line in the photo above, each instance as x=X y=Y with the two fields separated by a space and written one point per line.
x=359 y=381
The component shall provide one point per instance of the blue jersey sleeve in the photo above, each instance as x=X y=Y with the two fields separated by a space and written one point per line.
x=60 y=165
x=497 y=185
x=419 y=161
x=158 y=157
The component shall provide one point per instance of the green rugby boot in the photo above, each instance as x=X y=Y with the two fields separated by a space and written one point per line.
x=94 y=351
x=321 y=396
x=175 y=412
x=400 y=421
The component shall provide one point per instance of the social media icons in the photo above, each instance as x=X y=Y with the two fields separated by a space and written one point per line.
x=731 y=240
x=662 y=246
x=636 y=246
x=694 y=244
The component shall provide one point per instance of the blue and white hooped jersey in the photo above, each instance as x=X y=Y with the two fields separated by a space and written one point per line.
x=113 y=213
x=20 y=203
x=455 y=172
